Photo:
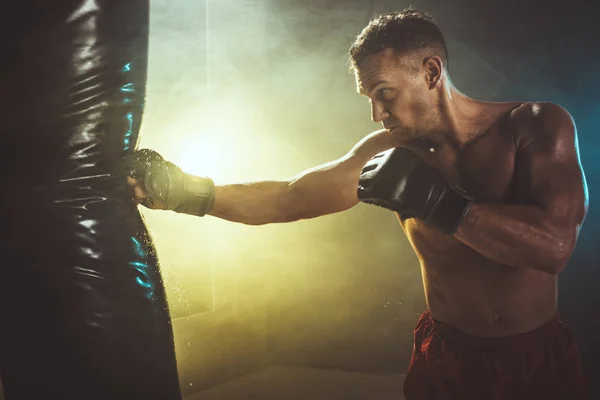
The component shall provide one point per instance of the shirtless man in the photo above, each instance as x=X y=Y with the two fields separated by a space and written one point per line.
x=490 y=195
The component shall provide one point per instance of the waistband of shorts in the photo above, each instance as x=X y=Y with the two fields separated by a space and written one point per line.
x=543 y=333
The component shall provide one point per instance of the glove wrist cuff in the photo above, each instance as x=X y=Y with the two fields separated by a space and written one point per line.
x=198 y=196
x=450 y=210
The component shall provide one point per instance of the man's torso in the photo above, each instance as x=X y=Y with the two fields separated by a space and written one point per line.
x=463 y=288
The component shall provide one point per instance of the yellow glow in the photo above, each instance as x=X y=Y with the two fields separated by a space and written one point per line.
x=211 y=142
x=201 y=155
x=197 y=149
x=246 y=100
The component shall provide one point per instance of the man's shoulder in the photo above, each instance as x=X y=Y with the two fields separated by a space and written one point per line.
x=374 y=143
x=540 y=112
x=541 y=121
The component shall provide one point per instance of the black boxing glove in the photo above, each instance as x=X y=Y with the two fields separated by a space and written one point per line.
x=168 y=187
x=399 y=180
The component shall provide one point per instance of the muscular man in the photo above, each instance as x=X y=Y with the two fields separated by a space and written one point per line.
x=490 y=195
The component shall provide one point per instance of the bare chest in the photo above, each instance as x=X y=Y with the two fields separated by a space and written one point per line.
x=487 y=169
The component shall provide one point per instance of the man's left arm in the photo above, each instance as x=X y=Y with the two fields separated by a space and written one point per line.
x=542 y=234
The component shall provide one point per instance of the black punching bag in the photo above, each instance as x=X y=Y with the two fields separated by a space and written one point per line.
x=83 y=312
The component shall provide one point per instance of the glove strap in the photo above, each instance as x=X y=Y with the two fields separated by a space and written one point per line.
x=199 y=196
x=180 y=192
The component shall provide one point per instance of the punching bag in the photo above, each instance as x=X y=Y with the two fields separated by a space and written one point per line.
x=83 y=310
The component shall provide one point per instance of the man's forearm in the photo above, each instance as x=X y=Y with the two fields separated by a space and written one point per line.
x=517 y=235
x=254 y=203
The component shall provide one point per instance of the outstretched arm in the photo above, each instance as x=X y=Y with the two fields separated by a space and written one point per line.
x=541 y=235
x=326 y=189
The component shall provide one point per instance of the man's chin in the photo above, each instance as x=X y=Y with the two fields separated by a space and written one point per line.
x=402 y=134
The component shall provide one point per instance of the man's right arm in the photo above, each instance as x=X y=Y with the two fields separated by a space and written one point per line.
x=326 y=189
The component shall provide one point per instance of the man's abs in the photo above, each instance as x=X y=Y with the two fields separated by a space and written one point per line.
x=475 y=295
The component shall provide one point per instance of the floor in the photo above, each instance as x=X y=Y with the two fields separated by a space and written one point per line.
x=303 y=383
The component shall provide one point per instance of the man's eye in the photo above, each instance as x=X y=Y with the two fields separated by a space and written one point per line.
x=385 y=93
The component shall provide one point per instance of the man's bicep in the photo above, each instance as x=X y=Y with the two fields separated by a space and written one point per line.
x=332 y=187
x=550 y=159
x=326 y=189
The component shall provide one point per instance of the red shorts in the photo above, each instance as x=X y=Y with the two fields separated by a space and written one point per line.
x=448 y=364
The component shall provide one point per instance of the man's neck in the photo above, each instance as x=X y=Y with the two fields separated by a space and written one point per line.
x=461 y=120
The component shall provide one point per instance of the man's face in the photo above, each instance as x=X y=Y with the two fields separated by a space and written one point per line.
x=399 y=94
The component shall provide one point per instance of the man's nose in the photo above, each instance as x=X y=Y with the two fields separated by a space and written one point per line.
x=378 y=112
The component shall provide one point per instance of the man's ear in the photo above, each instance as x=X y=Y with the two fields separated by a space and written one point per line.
x=433 y=67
